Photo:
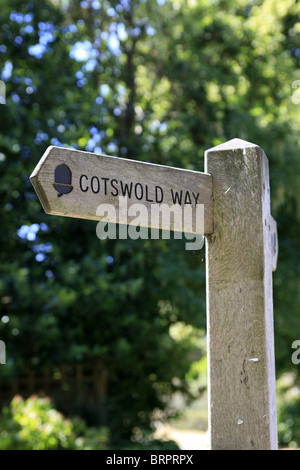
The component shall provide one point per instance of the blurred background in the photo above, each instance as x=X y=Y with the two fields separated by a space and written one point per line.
x=113 y=332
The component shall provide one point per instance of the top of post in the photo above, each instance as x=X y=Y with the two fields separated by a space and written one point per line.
x=232 y=145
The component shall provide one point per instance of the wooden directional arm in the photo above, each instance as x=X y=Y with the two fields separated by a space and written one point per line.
x=73 y=183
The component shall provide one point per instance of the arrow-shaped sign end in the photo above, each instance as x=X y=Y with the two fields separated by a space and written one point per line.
x=35 y=181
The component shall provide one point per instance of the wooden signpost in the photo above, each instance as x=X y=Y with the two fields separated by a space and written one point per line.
x=241 y=252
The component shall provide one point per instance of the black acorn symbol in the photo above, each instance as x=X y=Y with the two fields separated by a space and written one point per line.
x=63 y=180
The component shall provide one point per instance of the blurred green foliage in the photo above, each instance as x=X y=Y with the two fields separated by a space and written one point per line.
x=288 y=401
x=158 y=81
x=34 y=424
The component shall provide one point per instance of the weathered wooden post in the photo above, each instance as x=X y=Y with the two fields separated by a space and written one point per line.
x=240 y=254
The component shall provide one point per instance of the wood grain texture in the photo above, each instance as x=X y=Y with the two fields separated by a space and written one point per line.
x=242 y=400
x=100 y=179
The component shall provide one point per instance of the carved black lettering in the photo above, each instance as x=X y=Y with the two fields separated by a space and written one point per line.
x=138 y=191
x=126 y=189
x=187 y=199
x=147 y=195
x=176 y=197
x=159 y=194
x=95 y=184
x=116 y=190
x=105 y=185
x=86 y=188
x=196 y=197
